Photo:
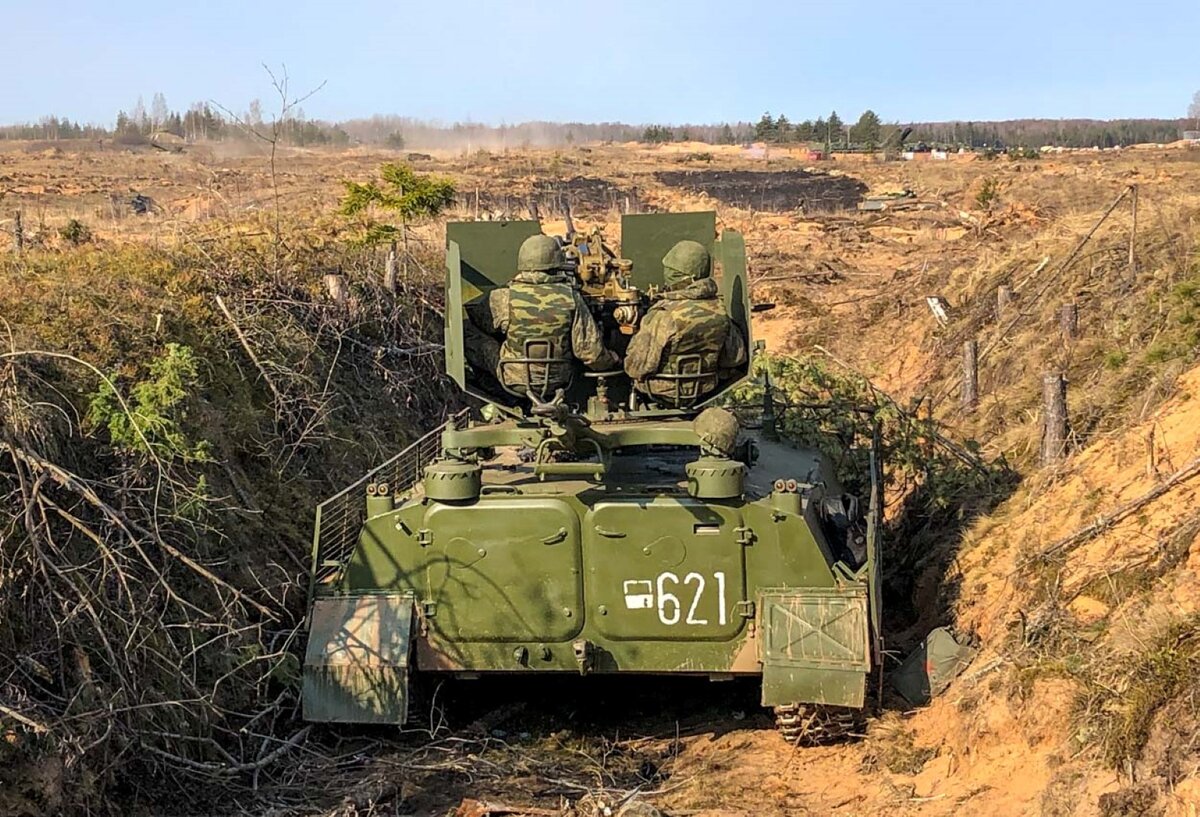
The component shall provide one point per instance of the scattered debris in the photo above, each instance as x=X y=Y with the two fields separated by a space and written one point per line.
x=897 y=200
x=581 y=195
x=143 y=205
x=940 y=308
x=486 y=808
x=606 y=805
x=167 y=141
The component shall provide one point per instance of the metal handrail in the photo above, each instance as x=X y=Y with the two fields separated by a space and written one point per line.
x=340 y=518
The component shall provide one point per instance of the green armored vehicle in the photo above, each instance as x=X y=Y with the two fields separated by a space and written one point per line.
x=597 y=527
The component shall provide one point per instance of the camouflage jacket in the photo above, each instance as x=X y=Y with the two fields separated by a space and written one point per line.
x=543 y=313
x=685 y=333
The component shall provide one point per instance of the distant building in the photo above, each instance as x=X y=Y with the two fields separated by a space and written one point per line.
x=1191 y=136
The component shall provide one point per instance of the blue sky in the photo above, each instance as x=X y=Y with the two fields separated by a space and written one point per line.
x=640 y=62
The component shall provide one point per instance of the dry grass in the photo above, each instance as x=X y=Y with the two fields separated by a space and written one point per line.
x=890 y=745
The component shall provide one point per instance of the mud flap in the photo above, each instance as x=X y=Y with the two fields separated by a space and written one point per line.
x=357 y=662
x=815 y=646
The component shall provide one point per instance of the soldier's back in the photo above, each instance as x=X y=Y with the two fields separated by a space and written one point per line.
x=539 y=328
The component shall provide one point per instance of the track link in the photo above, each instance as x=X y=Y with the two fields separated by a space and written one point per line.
x=818 y=724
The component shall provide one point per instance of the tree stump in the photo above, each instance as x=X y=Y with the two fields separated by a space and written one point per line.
x=970 y=384
x=1054 y=428
x=1004 y=296
x=389 y=270
x=18 y=233
x=1133 y=236
x=1068 y=321
x=339 y=292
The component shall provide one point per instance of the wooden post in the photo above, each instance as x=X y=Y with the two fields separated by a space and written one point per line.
x=477 y=203
x=389 y=271
x=18 y=233
x=1004 y=297
x=1054 y=429
x=567 y=218
x=1068 y=321
x=335 y=283
x=970 y=385
x=1133 y=235
x=404 y=249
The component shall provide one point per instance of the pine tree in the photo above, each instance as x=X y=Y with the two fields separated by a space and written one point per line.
x=764 y=129
x=783 y=129
x=410 y=195
x=835 y=133
x=866 y=131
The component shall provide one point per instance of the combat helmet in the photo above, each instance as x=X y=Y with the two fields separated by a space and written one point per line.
x=540 y=253
x=686 y=261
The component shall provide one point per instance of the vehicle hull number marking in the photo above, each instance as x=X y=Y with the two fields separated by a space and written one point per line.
x=672 y=593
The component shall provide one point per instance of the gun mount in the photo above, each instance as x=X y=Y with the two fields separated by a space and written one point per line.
x=605 y=282
x=618 y=289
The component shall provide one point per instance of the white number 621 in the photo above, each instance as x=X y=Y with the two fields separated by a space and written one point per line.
x=669 y=606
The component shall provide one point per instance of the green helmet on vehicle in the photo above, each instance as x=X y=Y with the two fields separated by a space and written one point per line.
x=686 y=261
x=540 y=253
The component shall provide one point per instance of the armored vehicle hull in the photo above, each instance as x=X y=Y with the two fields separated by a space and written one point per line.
x=616 y=541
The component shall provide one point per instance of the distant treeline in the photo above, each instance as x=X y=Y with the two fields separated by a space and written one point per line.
x=401 y=131
x=1072 y=133
x=201 y=122
x=869 y=133
x=208 y=122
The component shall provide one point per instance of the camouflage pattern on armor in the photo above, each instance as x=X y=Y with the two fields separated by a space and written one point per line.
x=718 y=432
x=538 y=315
x=685 y=333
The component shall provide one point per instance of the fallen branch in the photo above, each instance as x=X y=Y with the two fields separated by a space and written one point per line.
x=1052 y=279
x=226 y=770
x=959 y=452
x=1088 y=532
x=279 y=401
x=22 y=719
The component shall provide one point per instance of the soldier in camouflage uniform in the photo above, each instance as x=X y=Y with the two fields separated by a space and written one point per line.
x=540 y=315
x=686 y=346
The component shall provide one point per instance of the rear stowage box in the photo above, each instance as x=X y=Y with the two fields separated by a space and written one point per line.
x=816 y=645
